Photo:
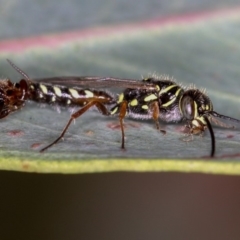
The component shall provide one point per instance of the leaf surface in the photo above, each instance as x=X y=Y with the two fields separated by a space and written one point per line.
x=204 y=51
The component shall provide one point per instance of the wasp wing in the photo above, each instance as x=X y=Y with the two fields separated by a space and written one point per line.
x=91 y=82
x=223 y=121
x=97 y=82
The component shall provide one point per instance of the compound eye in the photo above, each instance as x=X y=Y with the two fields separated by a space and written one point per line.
x=187 y=106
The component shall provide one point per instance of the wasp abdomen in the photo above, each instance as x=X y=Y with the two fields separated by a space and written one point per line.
x=66 y=96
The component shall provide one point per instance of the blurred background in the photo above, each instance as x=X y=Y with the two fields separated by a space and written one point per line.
x=119 y=206
x=25 y=17
x=111 y=205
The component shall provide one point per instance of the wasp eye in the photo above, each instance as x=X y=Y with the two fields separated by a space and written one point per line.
x=187 y=106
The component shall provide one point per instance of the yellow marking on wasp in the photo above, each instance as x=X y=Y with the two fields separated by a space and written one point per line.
x=195 y=110
x=73 y=92
x=179 y=104
x=120 y=98
x=167 y=89
x=169 y=102
x=32 y=87
x=158 y=88
x=43 y=88
x=57 y=91
x=145 y=107
x=202 y=120
x=150 y=98
x=195 y=123
x=203 y=107
x=134 y=102
x=178 y=91
x=114 y=110
x=40 y=95
x=89 y=93
x=68 y=101
x=207 y=107
x=173 y=99
x=53 y=98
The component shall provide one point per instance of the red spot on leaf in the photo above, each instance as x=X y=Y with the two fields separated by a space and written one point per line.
x=35 y=145
x=15 y=133
x=114 y=125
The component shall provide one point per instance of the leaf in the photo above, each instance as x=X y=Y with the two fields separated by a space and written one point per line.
x=204 y=52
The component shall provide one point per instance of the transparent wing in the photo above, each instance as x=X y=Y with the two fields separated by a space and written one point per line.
x=97 y=82
x=91 y=82
x=223 y=121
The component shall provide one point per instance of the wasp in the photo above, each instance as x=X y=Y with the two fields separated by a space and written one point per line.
x=157 y=98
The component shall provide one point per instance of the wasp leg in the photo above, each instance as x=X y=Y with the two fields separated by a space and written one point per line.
x=122 y=114
x=187 y=138
x=155 y=115
x=77 y=114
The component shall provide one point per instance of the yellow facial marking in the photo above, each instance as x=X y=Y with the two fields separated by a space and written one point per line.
x=57 y=91
x=195 y=110
x=149 y=98
x=202 y=120
x=195 y=123
x=207 y=107
x=89 y=93
x=145 y=107
x=120 y=98
x=43 y=88
x=74 y=93
x=134 y=102
x=114 y=110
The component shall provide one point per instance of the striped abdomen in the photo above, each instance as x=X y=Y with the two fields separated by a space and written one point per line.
x=66 y=96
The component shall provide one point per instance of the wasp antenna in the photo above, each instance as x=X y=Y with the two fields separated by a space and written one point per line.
x=19 y=70
x=212 y=135
x=215 y=114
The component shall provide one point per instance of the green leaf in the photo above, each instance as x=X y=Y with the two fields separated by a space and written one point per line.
x=204 y=52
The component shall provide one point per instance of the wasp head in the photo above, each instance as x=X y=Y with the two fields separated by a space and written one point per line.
x=11 y=97
x=195 y=107
x=194 y=103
